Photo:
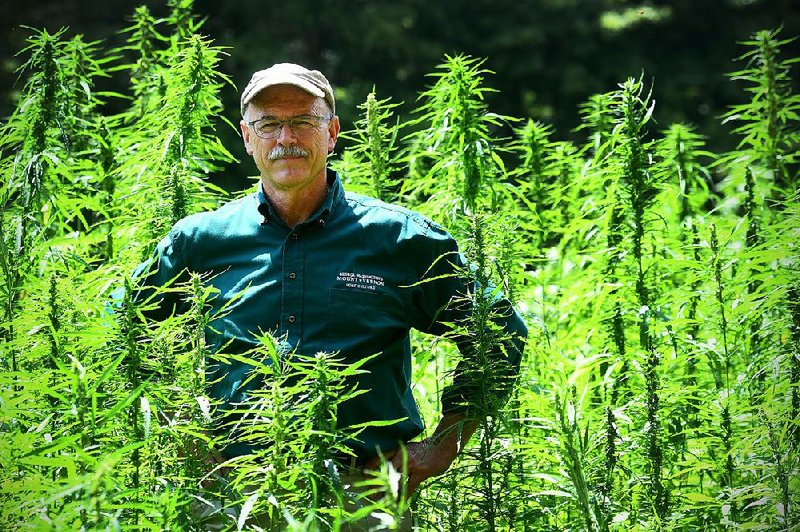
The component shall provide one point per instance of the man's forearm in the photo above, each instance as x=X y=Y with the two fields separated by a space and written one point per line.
x=453 y=432
x=434 y=455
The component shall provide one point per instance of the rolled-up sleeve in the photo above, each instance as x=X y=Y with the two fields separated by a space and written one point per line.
x=446 y=299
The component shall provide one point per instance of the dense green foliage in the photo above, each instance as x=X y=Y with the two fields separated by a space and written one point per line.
x=549 y=56
x=660 y=388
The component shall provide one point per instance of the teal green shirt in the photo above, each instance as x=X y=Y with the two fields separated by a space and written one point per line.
x=345 y=281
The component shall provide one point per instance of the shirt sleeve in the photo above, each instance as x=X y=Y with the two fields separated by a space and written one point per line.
x=488 y=332
x=163 y=269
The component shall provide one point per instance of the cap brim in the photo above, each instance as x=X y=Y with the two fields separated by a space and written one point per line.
x=287 y=80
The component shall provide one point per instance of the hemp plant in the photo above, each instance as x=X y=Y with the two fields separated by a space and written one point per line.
x=289 y=419
x=769 y=136
x=680 y=151
x=145 y=75
x=532 y=176
x=573 y=451
x=131 y=330
x=616 y=321
x=686 y=194
x=83 y=66
x=597 y=118
x=565 y=189
x=79 y=449
x=175 y=148
x=183 y=20
x=454 y=164
x=374 y=159
x=634 y=110
x=793 y=296
x=722 y=372
x=49 y=131
x=533 y=146
x=32 y=130
x=487 y=367
x=598 y=123
x=31 y=146
x=36 y=165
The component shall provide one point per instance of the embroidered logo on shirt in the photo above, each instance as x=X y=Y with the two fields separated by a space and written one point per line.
x=364 y=281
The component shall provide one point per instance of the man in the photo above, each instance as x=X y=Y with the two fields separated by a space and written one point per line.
x=330 y=271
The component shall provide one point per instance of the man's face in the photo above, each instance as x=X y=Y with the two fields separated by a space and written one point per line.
x=305 y=163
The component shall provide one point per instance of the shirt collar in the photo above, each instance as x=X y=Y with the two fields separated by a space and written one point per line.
x=332 y=201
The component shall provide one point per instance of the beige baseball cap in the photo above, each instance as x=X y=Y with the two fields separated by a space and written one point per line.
x=311 y=81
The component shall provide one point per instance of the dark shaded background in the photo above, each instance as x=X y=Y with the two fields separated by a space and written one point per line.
x=548 y=55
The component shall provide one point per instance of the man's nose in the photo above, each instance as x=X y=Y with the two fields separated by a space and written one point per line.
x=286 y=134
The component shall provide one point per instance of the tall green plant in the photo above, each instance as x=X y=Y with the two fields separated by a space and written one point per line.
x=454 y=163
x=533 y=146
x=769 y=120
x=634 y=110
x=597 y=118
x=373 y=161
x=143 y=40
x=574 y=450
x=488 y=378
x=680 y=152
x=172 y=151
x=36 y=163
x=290 y=420
x=183 y=20
x=722 y=376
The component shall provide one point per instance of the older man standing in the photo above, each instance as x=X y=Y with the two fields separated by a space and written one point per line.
x=330 y=271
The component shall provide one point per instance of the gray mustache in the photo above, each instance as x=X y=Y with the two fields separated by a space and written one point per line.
x=278 y=152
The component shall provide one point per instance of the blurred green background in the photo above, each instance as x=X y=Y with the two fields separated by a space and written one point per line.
x=548 y=56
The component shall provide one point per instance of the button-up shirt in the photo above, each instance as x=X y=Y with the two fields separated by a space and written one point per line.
x=348 y=280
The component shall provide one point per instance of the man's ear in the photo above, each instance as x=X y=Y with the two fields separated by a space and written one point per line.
x=333 y=132
x=246 y=137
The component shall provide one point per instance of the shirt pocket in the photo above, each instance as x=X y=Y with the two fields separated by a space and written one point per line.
x=361 y=322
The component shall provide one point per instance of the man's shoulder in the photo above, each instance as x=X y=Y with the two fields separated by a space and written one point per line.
x=371 y=211
x=226 y=220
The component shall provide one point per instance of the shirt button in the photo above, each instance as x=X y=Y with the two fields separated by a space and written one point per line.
x=292 y=275
x=295 y=236
x=292 y=319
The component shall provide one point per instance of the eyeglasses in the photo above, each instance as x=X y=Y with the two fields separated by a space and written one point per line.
x=270 y=127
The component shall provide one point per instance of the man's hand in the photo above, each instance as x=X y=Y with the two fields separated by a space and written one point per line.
x=425 y=459
x=432 y=456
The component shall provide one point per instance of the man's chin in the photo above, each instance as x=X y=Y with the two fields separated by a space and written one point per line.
x=288 y=180
x=289 y=167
